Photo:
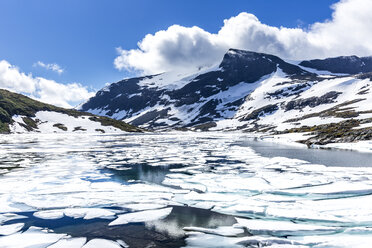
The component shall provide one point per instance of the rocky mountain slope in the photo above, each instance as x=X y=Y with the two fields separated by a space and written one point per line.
x=19 y=114
x=343 y=64
x=331 y=99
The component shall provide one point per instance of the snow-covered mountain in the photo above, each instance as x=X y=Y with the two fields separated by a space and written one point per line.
x=249 y=91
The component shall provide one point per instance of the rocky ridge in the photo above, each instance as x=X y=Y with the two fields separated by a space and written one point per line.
x=252 y=92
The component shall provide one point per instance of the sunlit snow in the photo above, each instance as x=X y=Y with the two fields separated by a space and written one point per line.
x=119 y=180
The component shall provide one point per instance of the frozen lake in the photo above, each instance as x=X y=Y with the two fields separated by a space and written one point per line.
x=180 y=190
x=334 y=157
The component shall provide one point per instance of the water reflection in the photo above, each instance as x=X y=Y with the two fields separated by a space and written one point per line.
x=329 y=157
x=165 y=233
x=208 y=179
x=141 y=172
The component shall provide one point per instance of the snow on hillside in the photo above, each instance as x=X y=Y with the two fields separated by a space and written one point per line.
x=53 y=122
x=248 y=91
x=347 y=89
x=188 y=113
x=174 y=80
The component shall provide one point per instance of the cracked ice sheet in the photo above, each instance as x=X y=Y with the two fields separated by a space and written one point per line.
x=85 y=213
x=45 y=183
x=227 y=231
x=283 y=228
x=10 y=216
x=235 y=179
x=295 y=188
x=201 y=240
x=33 y=237
x=10 y=229
x=95 y=243
x=69 y=242
x=339 y=240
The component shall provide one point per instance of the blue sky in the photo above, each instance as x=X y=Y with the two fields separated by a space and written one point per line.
x=81 y=36
x=62 y=52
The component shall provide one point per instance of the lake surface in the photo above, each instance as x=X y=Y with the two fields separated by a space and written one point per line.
x=328 y=157
x=180 y=190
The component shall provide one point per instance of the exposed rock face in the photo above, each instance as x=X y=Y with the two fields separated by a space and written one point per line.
x=246 y=91
x=256 y=114
x=312 y=101
x=247 y=66
x=343 y=132
x=344 y=64
x=189 y=100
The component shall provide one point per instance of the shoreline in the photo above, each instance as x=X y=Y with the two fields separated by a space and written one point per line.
x=363 y=146
x=290 y=139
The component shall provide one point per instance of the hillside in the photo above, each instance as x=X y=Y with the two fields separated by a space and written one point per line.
x=330 y=99
x=19 y=113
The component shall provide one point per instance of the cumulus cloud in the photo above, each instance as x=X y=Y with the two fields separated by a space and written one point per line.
x=64 y=95
x=45 y=90
x=348 y=32
x=11 y=78
x=52 y=67
x=177 y=47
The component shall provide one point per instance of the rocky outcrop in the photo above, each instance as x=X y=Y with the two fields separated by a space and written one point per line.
x=343 y=64
x=312 y=101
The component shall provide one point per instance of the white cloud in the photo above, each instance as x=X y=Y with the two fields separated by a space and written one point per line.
x=52 y=67
x=175 y=48
x=348 y=32
x=11 y=78
x=64 y=95
x=45 y=90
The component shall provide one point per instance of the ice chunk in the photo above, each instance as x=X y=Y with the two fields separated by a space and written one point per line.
x=10 y=216
x=96 y=243
x=142 y=216
x=144 y=206
x=70 y=243
x=227 y=231
x=10 y=229
x=89 y=213
x=282 y=228
x=122 y=243
x=98 y=213
x=86 y=213
x=33 y=237
x=49 y=214
x=202 y=240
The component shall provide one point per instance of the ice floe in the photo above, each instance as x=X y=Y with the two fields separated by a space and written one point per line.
x=33 y=237
x=10 y=229
x=69 y=242
x=281 y=201
x=142 y=216
x=94 y=243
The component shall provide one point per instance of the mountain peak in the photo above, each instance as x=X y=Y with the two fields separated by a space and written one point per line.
x=261 y=63
x=233 y=53
x=247 y=87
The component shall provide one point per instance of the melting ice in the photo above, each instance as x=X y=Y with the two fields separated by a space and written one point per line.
x=176 y=190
